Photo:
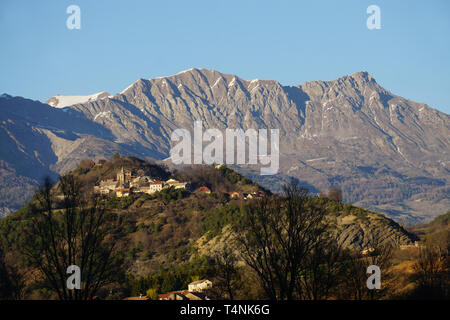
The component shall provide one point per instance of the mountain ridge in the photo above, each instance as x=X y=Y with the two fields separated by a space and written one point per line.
x=387 y=153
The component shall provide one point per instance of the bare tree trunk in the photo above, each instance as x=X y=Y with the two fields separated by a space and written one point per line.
x=73 y=234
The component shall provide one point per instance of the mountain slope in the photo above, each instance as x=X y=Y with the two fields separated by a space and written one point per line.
x=387 y=153
x=380 y=148
x=38 y=140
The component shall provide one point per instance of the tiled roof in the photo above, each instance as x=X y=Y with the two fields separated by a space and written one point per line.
x=166 y=295
x=137 y=298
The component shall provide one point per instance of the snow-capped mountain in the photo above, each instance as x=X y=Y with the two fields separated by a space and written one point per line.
x=387 y=153
x=60 y=101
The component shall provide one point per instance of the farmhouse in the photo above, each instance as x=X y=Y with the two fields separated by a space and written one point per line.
x=155 y=186
x=199 y=286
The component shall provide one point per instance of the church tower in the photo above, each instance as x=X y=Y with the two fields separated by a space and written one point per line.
x=121 y=177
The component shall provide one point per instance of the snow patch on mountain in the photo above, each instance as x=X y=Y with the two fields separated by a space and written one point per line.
x=60 y=101
x=102 y=114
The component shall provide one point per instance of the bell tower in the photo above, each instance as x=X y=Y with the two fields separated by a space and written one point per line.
x=121 y=176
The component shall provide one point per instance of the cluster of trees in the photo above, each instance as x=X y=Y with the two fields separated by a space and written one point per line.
x=334 y=194
x=170 y=194
x=293 y=253
x=283 y=240
x=167 y=280
x=220 y=180
x=432 y=269
x=72 y=229
x=213 y=224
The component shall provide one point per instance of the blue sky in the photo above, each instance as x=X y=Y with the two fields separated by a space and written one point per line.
x=289 y=41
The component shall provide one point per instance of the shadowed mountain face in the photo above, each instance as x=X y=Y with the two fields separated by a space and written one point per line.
x=385 y=152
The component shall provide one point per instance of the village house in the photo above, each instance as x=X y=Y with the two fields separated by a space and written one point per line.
x=235 y=195
x=107 y=186
x=204 y=190
x=199 y=286
x=176 y=184
x=155 y=186
x=195 y=291
x=120 y=193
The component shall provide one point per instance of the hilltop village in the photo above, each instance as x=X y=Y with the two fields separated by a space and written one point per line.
x=127 y=183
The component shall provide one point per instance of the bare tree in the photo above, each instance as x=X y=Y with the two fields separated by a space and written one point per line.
x=275 y=235
x=432 y=270
x=227 y=279
x=323 y=270
x=76 y=233
x=354 y=285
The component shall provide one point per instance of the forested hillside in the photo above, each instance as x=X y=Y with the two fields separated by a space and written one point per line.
x=172 y=237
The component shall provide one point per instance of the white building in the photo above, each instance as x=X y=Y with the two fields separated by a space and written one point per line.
x=155 y=186
x=199 y=286
x=176 y=184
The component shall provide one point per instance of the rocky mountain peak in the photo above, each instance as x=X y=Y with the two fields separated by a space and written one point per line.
x=379 y=148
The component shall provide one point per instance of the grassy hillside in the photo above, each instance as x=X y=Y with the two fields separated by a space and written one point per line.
x=165 y=239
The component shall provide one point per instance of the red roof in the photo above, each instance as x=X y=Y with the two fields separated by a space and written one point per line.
x=137 y=298
x=204 y=189
x=166 y=295
x=156 y=182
